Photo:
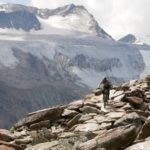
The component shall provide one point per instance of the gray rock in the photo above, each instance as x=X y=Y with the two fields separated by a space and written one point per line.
x=134 y=100
x=10 y=146
x=145 y=131
x=74 y=120
x=89 y=109
x=75 y=105
x=43 y=146
x=84 y=118
x=69 y=113
x=87 y=127
x=6 y=135
x=115 y=115
x=40 y=125
x=51 y=113
x=132 y=118
x=113 y=139
x=140 y=146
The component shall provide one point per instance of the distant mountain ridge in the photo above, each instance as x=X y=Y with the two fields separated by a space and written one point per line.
x=70 y=17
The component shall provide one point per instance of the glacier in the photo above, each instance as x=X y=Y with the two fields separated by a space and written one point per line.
x=89 y=58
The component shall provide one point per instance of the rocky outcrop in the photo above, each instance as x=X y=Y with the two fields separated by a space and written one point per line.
x=17 y=20
x=86 y=124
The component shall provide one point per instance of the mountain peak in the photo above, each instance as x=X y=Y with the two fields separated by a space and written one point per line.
x=129 y=38
x=74 y=19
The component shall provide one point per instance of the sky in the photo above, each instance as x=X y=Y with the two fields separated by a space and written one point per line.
x=116 y=17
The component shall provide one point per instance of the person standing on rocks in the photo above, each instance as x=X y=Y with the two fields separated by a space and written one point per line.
x=106 y=86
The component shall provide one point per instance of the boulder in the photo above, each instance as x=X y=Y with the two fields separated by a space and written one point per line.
x=115 y=115
x=87 y=127
x=11 y=146
x=140 y=112
x=43 y=146
x=51 y=114
x=105 y=125
x=118 y=98
x=95 y=105
x=100 y=118
x=113 y=139
x=40 y=125
x=25 y=140
x=117 y=93
x=69 y=113
x=142 y=106
x=140 y=146
x=134 y=100
x=6 y=135
x=85 y=117
x=128 y=119
x=75 y=105
x=89 y=109
x=93 y=99
x=145 y=131
x=74 y=120
x=20 y=134
x=136 y=92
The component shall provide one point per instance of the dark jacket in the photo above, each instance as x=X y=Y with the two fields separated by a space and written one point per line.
x=106 y=84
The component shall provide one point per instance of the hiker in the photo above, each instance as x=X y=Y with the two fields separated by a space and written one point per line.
x=105 y=90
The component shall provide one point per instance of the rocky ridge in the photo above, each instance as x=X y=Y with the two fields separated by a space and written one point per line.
x=86 y=124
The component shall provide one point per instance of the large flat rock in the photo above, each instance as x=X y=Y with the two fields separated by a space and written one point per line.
x=51 y=114
x=112 y=139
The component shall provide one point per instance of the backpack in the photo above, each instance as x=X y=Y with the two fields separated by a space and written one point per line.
x=107 y=85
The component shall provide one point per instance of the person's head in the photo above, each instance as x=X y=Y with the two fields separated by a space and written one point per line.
x=105 y=78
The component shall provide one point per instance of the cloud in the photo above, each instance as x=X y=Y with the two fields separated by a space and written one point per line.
x=117 y=17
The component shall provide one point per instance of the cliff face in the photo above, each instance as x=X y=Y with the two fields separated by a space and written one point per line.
x=86 y=124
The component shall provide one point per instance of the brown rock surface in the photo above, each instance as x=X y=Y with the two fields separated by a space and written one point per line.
x=6 y=135
x=113 y=139
x=145 y=131
x=87 y=125
x=51 y=113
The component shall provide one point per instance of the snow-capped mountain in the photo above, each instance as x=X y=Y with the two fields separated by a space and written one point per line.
x=73 y=19
x=50 y=57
